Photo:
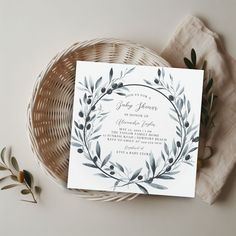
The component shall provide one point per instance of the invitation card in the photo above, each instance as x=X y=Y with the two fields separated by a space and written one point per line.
x=135 y=129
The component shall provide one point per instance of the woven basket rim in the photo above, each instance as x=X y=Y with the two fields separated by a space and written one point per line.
x=40 y=79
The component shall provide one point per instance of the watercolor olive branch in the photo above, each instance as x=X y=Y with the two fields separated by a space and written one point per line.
x=110 y=169
x=90 y=104
x=90 y=100
x=20 y=177
x=166 y=168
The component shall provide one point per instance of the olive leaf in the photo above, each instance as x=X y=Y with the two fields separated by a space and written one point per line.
x=195 y=139
x=121 y=94
x=191 y=64
x=14 y=163
x=135 y=174
x=163 y=72
x=143 y=189
x=110 y=74
x=173 y=173
x=152 y=163
x=3 y=168
x=76 y=144
x=14 y=178
x=163 y=156
x=166 y=149
x=98 y=82
x=5 y=177
x=209 y=85
x=208 y=99
x=158 y=186
x=130 y=70
x=193 y=57
x=106 y=159
x=25 y=191
x=174 y=147
x=90 y=165
x=193 y=149
x=116 y=184
x=3 y=155
x=9 y=186
x=188 y=63
x=76 y=124
x=37 y=189
x=188 y=106
x=147 y=165
x=28 y=178
x=120 y=167
x=165 y=177
x=102 y=175
x=86 y=82
x=98 y=150
x=147 y=82
x=204 y=65
x=91 y=85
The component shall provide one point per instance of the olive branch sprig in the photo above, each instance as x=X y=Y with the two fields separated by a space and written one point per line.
x=85 y=131
x=21 y=178
x=208 y=111
x=187 y=133
x=93 y=93
x=208 y=97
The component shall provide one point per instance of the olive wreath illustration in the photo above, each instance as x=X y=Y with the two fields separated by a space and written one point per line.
x=164 y=167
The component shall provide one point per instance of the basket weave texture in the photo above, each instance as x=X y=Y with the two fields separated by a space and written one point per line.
x=50 y=107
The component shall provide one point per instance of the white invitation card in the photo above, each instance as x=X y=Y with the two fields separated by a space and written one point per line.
x=135 y=129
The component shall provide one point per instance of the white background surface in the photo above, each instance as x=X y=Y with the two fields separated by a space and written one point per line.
x=32 y=32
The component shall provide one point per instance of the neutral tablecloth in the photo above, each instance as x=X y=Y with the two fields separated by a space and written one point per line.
x=192 y=33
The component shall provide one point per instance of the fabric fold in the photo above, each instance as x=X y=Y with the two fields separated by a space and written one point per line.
x=192 y=33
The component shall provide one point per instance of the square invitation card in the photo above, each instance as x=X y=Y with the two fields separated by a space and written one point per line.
x=135 y=129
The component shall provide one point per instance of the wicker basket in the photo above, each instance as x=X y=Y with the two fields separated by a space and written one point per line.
x=50 y=108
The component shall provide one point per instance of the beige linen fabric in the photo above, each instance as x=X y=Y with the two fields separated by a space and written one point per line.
x=192 y=33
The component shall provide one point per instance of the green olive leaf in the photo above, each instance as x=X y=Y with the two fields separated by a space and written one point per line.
x=13 y=177
x=3 y=155
x=188 y=63
x=14 y=163
x=3 y=168
x=37 y=189
x=25 y=191
x=28 y=178
x=9 y=186
x=193 y=57
x=5 y=177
